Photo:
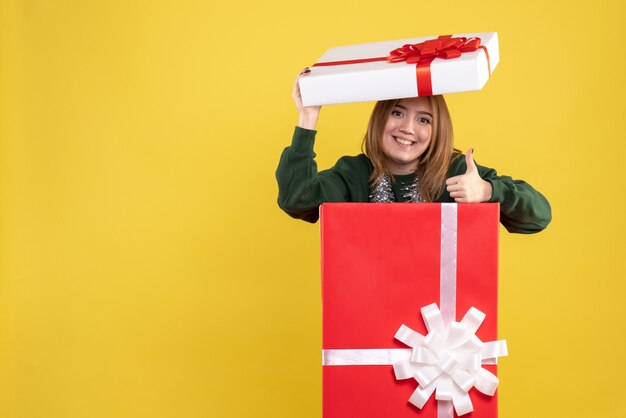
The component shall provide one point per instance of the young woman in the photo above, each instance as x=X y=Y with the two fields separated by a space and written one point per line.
x=409 y=157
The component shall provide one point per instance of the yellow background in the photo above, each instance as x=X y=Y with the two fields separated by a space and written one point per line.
x=146 y=270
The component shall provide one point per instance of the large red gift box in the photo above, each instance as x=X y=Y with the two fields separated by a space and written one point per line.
x=381 y=263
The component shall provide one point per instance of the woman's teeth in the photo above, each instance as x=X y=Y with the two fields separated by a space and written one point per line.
x=403 y=141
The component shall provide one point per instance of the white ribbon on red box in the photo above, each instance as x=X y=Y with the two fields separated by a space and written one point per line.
x=448 y=360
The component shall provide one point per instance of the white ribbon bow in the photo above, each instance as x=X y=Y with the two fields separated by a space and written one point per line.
x=449 y=359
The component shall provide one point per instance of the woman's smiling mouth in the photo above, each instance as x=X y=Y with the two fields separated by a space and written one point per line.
x=403 y=141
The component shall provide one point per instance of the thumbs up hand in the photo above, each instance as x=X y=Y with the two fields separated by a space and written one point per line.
x=469 y=187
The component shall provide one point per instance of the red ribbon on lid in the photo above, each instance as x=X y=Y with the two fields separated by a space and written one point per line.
x=422 y=55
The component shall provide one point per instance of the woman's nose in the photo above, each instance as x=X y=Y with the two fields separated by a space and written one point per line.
x=408 y=126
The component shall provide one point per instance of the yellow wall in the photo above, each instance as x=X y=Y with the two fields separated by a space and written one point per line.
x=146 y=270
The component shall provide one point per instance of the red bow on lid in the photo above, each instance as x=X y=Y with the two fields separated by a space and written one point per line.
x=444 y=47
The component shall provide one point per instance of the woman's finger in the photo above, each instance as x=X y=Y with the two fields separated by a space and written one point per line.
x=297 y=96
x=453 y=180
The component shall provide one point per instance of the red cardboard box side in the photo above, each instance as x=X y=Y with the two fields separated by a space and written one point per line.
x=380 y=265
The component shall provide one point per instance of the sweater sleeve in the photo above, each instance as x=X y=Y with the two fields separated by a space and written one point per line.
x=302 y=189
x=522 y=208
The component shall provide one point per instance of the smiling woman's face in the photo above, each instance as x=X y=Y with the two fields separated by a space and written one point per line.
x=407 y=134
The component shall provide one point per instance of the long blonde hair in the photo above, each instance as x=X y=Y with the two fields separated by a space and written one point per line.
x=432 y=165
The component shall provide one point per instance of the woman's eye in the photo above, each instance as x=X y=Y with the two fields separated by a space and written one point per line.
x=396 y=113
x=423 y=120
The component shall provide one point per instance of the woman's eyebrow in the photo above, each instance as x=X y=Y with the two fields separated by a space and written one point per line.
x=421 y=112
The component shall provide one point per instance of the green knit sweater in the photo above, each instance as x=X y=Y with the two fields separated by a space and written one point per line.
x=302 y=189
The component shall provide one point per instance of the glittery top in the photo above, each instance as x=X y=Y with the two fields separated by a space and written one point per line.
x=404 y=188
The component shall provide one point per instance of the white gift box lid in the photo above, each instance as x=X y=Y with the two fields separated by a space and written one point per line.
x=382 y=80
